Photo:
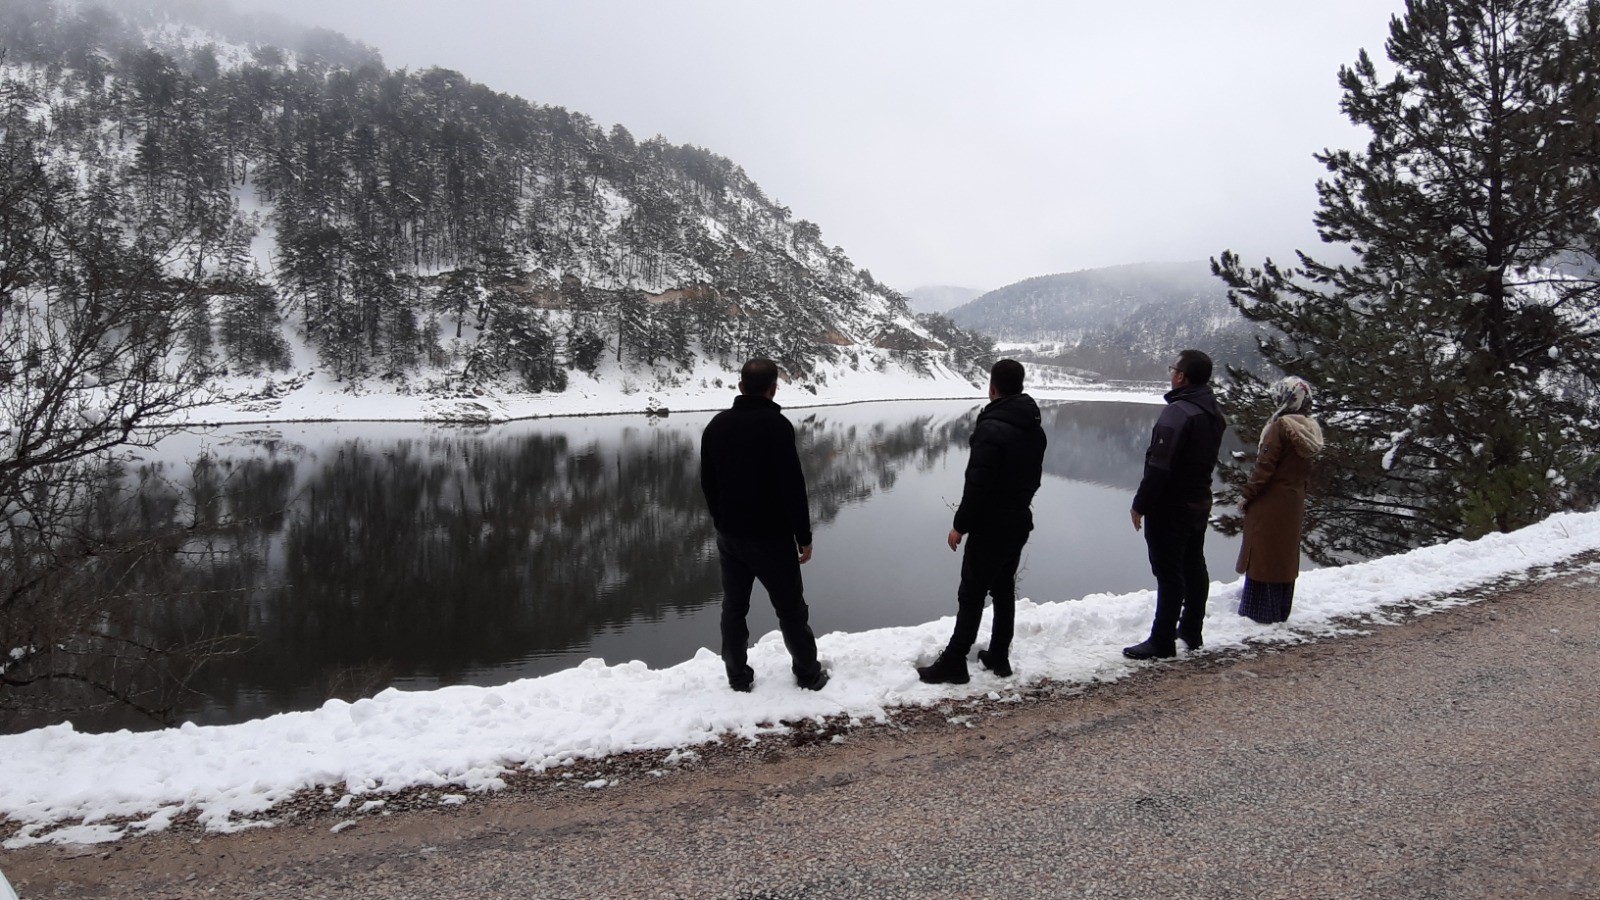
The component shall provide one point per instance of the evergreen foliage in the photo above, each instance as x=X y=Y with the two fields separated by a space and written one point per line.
x=1456 y=355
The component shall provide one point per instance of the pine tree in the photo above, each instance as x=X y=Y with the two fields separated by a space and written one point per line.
x=248 y=329
x=635 y=327
x=1456 y=356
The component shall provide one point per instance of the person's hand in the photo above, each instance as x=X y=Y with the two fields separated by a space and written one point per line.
x=805 y=554
x=1138 y=520
x=953 y=539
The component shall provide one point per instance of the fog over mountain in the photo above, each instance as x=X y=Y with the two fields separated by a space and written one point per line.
x=940 y=298
x=1118 y=322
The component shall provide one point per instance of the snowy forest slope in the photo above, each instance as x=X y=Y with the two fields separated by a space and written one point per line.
x=417 y=231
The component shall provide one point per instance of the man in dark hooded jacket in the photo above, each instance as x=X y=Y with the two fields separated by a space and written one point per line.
x=1003 y=472
x=1173 y=505
x=750 y=474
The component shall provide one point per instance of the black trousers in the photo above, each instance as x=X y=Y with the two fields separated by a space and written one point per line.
x=989 y=568
x=776 y=563
x=1177 y=558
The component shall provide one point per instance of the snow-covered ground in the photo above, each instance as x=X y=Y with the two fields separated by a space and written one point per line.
x=460 y=739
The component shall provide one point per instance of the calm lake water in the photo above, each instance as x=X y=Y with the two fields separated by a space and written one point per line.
x=415 y=556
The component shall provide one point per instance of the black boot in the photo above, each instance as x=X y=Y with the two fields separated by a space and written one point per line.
x=947 y=669
x=1149 y=650
x=994 y=662
x=816 y=682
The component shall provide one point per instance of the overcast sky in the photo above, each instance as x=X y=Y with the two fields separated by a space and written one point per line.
x=957 y=143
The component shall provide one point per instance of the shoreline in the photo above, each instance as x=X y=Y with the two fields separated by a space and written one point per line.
x=1073 y=395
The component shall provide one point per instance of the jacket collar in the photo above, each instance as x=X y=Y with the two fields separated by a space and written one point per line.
x=1187 y=392
x=1018 y=408
x=756 y=401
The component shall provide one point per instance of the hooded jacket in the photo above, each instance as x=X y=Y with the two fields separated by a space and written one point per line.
x=1275 y=499
x=750 y=473
x=1182 y=455
x=1004 y=469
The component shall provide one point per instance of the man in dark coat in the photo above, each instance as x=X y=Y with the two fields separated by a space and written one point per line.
x=1173 y=505
x=750 y=473
x=1003 y=472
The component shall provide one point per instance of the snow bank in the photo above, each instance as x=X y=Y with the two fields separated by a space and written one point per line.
x=65 y=785
x=310 y=396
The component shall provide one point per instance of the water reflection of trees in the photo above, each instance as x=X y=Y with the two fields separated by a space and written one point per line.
x=847 y=463
x=165 y=566
x=438 y=556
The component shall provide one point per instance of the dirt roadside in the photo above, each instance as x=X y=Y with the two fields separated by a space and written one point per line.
x=1456 y=755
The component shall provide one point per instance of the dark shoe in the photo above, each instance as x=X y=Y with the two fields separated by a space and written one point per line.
x=1193 y=643
x=946 y=669
x=816 y=683
x=741 y=678
x=1148 y=650
x=996 y=664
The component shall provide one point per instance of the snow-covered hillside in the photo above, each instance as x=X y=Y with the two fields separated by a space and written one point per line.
x=416 y=234
x=1121 y=322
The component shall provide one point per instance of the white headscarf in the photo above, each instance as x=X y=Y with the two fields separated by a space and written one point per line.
x=1292 y=395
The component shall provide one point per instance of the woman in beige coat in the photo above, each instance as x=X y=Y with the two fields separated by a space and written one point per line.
x=1274 y=503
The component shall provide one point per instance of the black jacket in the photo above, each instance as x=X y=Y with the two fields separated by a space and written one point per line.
x=750 y=472
x=1182 y=455
x=1004 y=470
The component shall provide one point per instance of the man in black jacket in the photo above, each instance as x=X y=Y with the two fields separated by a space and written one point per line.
x=750 y=472
x=1174 y=504
x=1003 y=472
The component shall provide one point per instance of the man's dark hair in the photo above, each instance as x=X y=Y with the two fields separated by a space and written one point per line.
x=1195 y=366
x=756 y=376
x=1006 y=376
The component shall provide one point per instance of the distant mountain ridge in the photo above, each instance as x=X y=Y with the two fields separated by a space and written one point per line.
x=1119 y=322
